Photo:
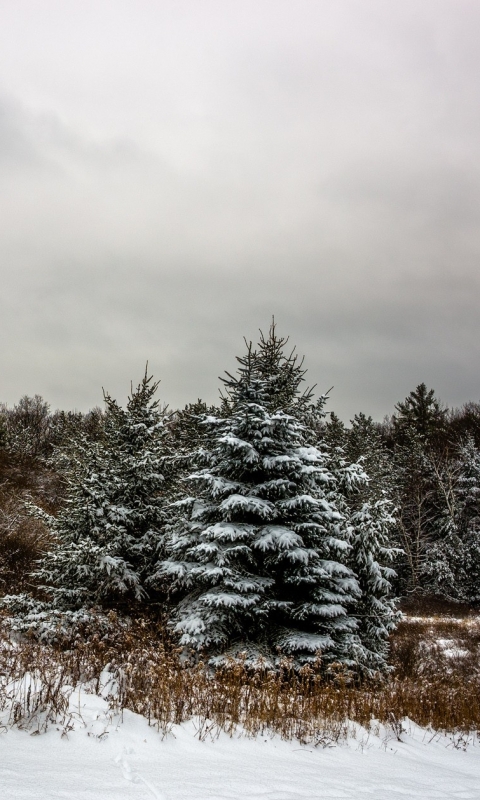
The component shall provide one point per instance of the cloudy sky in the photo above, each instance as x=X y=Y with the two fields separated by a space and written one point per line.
x=174 y=172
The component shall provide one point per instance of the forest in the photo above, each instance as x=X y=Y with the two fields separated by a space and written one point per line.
x=262 y=539
x=246 y=501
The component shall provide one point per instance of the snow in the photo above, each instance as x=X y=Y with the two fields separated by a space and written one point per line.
x=450 y=649
x=104 y=757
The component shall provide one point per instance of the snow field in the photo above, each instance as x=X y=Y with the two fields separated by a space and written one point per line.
x=104 y=757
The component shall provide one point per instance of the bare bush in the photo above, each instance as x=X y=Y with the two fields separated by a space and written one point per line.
x=435 y=683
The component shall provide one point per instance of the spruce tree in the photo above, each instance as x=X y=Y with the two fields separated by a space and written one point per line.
x=418 y=433
x=334 y=435
x=258 y=550
x=107 y=534
x=283 y=375
x=359 y=462
x=371 y=555
x=422 y=413
x=364 y=442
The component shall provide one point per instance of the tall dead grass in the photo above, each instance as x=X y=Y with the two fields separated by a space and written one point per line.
x=435 y=682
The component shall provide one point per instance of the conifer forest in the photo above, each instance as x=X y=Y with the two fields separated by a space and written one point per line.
x=260 y=529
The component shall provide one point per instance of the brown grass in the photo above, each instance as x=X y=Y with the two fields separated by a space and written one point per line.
x=435 y=682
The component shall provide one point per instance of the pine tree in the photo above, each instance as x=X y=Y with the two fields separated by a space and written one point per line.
x=359 y=462
x=372 y=552
x=186 y=436
x=334 y=435
x=365 y=443
x=258 y=550
x=282 y=374
x=422 y=413
x=468 y=513
x=109 y=530
x=453 y=566
x=418 y=439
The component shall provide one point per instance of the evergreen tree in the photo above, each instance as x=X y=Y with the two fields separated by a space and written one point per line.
x=365 y=443
x=282 y=374
x=360 y=463
x=418 y=427
x=468 y=525
x=376 y=613
x=453 y=566
x=109 y=530
x=334 y=435
x=421 y=413
x=258 y=549
x=187 y=437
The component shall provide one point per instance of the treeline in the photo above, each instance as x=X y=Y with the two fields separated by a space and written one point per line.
x=262 y=526
x=427 y=458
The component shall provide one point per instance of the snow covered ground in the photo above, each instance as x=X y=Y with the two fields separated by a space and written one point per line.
x=103 y=758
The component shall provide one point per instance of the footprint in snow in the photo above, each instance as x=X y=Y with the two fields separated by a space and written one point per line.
x=135 y=777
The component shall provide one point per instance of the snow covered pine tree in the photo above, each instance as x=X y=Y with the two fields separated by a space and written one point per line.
x=453 y=567
x=258 y=551
x=468 y=521
x=376 y=613
x=373 y=526
x=108 y=532
x=363 y=497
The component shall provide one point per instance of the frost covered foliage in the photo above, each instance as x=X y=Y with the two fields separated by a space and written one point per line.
x=279 y=549
x=108 y=532
x=364 y=443
x=259 y=549
x=468 y=521
x=371 y=555
x=453 y=567
x=373 y=526
x=359 y=463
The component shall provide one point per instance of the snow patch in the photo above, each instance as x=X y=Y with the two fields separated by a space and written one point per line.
x=113 y=757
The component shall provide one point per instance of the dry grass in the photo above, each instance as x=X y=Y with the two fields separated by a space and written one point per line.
x=435 y=683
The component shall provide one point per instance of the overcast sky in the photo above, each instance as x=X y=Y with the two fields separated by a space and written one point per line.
x=174 y=172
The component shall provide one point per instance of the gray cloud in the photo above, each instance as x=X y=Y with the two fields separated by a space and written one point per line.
x=171 y=176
